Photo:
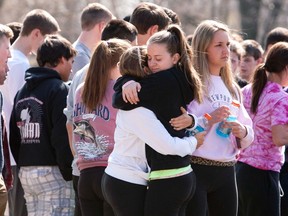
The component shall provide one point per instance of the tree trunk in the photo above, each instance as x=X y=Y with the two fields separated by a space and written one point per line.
x=275 y=8
x=249 y=10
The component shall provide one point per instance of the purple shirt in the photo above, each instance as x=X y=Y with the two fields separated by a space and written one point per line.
x=272 y=110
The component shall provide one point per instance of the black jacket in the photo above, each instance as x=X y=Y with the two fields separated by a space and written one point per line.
x=163 y=93
x=38 y=135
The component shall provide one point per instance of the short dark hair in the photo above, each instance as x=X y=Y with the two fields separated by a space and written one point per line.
x=127 y=18
x=252 y=48
x=147 y=14
x=39 y=19
x=277 y=34
x=16 y=28
x=119 y=29
x=53 y=49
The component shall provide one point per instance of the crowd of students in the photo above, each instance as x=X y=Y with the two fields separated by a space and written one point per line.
x=106 y=125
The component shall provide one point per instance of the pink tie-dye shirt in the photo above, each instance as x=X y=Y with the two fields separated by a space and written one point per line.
x=272 y=110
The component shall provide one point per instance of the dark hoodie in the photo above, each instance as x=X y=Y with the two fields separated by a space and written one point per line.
x=38 y=135
x=163 y=93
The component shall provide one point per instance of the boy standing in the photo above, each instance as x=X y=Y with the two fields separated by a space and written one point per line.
x=38 y=138
x=5 y=35
x=36 y=25
x=94 y=18
x=251 y=57
x=149 y=18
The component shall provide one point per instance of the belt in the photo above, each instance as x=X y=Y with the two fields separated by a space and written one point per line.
x=170 y=173
x=207 y=162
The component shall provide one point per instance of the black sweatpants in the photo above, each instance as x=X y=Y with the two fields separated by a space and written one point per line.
x=90 y=193
x=215 y=191
x=169 y=197
x=126 y=199
x=258 y=191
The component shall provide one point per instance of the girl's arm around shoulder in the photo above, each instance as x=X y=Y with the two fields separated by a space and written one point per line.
x=118 y=101
x=129 y=96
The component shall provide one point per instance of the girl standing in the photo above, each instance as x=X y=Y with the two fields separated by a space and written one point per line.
x=125 y=178
x=213 y=163
x=173 y=84
x=259 y=165
x=94 y=124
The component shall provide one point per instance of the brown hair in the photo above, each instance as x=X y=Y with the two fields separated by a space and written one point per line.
x=119 y=29
x=277 y=34
x=252 y=48
x=16 y=28
x=93 y=14
x=172 y=15
x=5 y=31
x=105 y=57
x=53 y=49
x=134 y=62
x=276 y=61
x=147 y=14
x=176 y=42
x=39 y=19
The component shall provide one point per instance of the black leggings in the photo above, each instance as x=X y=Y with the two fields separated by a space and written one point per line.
x=126 y=199
x=170 y=197
x=90 y=193
x=258 y=191
x=215 y=191
x=77 y=211
x=284 y=185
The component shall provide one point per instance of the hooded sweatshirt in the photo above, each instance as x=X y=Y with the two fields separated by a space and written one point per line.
x=38 y=126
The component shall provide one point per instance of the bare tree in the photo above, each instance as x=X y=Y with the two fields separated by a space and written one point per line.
x=249 y=10
x=271 y=10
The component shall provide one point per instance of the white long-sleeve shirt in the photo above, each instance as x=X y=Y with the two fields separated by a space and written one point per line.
x=17 y=65
x=216 y=147
x=134 y=128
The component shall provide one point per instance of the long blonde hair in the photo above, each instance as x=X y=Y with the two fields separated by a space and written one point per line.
x=202 y=37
